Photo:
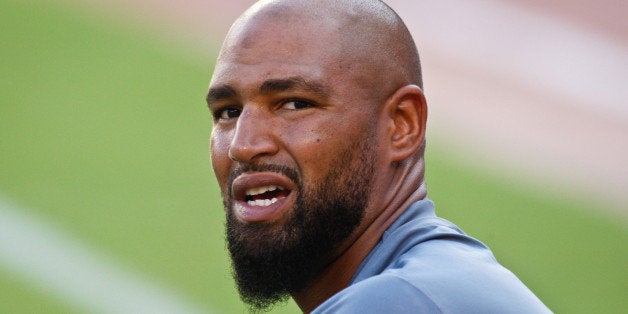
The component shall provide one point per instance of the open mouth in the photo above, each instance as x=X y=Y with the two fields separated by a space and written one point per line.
x=265 y=195
x=262 y=196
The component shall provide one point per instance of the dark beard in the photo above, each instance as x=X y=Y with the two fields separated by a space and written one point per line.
x=271 y=263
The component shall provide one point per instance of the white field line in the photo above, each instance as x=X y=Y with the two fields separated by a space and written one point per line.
x=68 y=270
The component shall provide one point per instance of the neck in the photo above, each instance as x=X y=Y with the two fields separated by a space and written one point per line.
x=401 y=191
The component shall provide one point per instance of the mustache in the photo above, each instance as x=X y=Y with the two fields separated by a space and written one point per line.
x=291 y=173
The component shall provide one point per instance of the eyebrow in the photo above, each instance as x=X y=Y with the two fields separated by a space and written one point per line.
x=293 y=83
x=270 y=86
x=220 y=93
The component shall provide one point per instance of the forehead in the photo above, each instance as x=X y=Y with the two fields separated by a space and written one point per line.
x=261 y=50
x=253 y=76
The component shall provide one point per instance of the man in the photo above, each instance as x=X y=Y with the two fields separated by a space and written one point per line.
x=317 y=145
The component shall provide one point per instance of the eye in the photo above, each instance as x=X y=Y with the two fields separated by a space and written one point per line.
x=227 y=113
x=296 y=104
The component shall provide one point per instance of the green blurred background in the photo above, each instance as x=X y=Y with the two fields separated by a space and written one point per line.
x=104 y=135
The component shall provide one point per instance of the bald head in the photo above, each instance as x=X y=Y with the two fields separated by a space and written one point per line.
x=364 y=38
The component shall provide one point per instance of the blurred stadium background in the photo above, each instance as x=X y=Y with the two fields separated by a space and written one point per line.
x=108 y=203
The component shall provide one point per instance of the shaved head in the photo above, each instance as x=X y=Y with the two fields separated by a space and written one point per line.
x=363 y=37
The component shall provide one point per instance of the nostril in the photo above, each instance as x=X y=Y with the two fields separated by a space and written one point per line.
x=244 y=152
x=234 y=152
x=246 y=149
x=231 y=156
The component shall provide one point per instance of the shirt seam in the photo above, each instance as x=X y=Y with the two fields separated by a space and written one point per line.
x=428 y=297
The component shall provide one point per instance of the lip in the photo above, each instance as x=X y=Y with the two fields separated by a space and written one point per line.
x=249 y=213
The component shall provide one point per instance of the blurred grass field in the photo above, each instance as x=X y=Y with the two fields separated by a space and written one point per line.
x=104 y=133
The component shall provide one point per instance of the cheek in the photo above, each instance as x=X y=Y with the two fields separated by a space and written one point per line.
x=306 y=141
x=219 y=154
x=316 y=151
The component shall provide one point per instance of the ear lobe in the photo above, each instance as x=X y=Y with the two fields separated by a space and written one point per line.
x=407 y=111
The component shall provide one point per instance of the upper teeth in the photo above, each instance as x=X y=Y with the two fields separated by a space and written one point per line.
x=261 y=189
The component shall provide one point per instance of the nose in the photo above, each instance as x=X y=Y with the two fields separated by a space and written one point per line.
x=253 y=136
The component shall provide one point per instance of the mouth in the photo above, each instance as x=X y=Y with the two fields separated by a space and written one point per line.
x=265 y=195
x=262 y=196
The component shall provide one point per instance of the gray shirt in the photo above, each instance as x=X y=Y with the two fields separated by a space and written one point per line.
x=425 y=264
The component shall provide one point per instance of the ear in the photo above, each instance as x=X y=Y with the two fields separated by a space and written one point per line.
x=407 y=113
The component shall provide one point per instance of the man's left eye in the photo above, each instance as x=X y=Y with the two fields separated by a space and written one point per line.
x=296 y=104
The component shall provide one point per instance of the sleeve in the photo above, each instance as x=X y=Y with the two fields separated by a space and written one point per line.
x=379 y=294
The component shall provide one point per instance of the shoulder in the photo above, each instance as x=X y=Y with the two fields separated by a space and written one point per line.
x=391 y=293
x=452 y=273
x=380 y=294
x=425 y=264
x=462 y=275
